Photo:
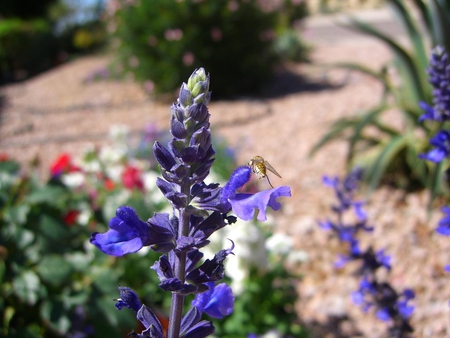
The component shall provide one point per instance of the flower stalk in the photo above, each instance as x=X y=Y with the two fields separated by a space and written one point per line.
x=391 y=306
x=198 y=211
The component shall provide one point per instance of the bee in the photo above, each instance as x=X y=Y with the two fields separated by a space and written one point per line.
x=260 y=166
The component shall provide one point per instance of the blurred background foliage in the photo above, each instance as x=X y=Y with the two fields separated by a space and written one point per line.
x=387 y=139
x=239 y=42
x=156 y=43
x=54 y=283
x=38 y=35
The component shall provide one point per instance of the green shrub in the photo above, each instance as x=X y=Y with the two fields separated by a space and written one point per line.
x=163 y=40
x=390 y=152
x=26 y=48
x=24 y=9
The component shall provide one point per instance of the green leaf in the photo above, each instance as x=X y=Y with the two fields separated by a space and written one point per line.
x=27 y=287
x=420 y=168
x=10 y=167
x=55 y=313
x=49 y=194
x=365 y=120
x=436 y=178
x=54 y=269
x=17 y=214
x=414 y=35
x=336 y=132
x=400 y=52
x=107 y=308
x=79 y=261
x=52 y=228
x=376 y=169
x=363 y=69
x=426 y=16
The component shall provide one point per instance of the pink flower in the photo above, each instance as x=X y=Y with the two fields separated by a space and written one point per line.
x=233 y=6
x=173 y=34
x=188 y=59
x=149 y=86
x=216 y=34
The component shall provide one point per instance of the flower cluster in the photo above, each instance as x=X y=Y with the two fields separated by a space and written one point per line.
x=439 y=77
x=102 y=178
x=391 y=306
x=344 y=191
x=199 y=209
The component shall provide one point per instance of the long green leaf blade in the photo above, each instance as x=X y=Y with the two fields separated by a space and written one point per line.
x=398 y=50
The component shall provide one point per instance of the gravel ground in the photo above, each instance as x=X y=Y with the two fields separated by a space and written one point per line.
x=57 y=111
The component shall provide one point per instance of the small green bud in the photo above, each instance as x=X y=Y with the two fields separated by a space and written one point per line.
x=199 y=88
x=197 y=76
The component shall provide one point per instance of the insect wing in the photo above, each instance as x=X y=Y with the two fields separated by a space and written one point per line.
x=269 y=167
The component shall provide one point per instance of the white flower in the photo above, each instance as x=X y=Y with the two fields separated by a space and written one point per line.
x=114 y=172
x=272 y=334
x=112 y=155
x=250 y=246
x=237 y=273
x=280 y=243
x=84 y=216
x=119 y=133
x=74 y=179
x=92 y=166
x=297 y=256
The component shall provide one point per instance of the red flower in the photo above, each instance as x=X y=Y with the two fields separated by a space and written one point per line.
x=109 y=184
x=4 y=157
x=63 y=164
x=71 y=217
x=131 y=178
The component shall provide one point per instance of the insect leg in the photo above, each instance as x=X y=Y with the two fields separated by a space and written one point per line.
x=269 y=181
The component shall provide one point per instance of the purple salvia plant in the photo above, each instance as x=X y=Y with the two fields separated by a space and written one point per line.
x=199 y=209
x=439 y=78
x=390 y=306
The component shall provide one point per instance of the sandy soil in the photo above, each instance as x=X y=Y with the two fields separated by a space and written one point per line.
x=57 y=112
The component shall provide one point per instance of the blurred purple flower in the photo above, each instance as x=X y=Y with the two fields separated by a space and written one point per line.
x=439 y=77
x=444 y=224
x=441 y=142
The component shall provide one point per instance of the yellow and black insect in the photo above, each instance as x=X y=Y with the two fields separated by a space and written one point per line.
x=260 y=166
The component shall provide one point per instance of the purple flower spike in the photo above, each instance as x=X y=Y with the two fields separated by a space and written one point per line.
x=127 y=234
x=217 y=302
x=244 y=205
